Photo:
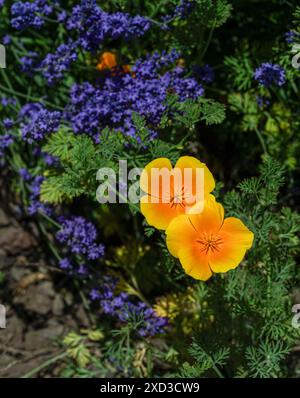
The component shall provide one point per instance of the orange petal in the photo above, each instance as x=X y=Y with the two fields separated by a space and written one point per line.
x=195 y=263
x=159 y=215
x=237 y=239
x=180 y=234
x=145 y=180
x=209 y=218
x=107 y=61
x=189 y=162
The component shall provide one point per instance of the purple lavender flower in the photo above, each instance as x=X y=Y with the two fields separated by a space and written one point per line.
x=268 y=74
x=65 y=264
x=55 y=65
x=80 y=237
x=262 y=101
x=29 y=110
x=5 y=141
x=39 y=122
x=35 y=205
x=145 y=92
x=8 y=123
x=82 y=270
x=29 y=14
x=152 y=324
x=24 y=174
x=182 y=10
x=136 y=26
x=5 y=101
x=122 y=308
x=38 y=207
x=94 y=294
x=94 y=24
x=204 y=73
x=47 y=158
x=291 y=36
x=62 y=16
x=29 y=62
x=36 y=185
x=6 y=40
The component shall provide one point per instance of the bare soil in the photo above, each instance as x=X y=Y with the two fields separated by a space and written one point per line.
x=39 y=311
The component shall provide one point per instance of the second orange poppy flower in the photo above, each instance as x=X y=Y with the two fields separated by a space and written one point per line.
x=168 y=199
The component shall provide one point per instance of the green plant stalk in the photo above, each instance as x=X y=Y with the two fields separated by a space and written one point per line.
x=45 y=365
x=26 y=96
x=261 y=140
x=9 y=85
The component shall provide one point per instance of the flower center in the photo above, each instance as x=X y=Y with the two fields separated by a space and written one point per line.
x=210 y=242
x=178 y=198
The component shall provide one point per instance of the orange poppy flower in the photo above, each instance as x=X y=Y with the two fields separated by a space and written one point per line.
x=206 y=242
x=108 y=60
x=173 y=191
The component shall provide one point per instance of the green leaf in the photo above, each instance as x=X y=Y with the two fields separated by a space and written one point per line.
x=52 y=190
x=95 y=335
x=80 y=354
x=60 y=143
x=212 y=112
x=72 y=339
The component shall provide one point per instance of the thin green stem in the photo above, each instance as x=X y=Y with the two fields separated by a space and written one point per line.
x=214 y=366
x=51 y=247
x=261 y=140
x=9 y=85
x=85 y=302
x=35 y=99
x=218 y=372
x=20 y=46
x=269 y=286
x=44 y=365
x=210 y=35
x=51 y=221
